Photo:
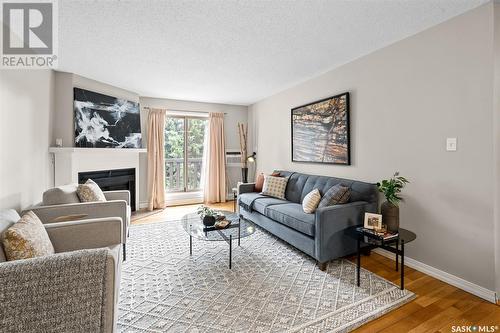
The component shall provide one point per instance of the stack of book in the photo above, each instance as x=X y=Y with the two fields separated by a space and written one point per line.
x=382 y=235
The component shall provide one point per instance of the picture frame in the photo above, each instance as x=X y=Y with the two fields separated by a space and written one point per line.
x=102 y=121
x=320 y=131
x=373 y=221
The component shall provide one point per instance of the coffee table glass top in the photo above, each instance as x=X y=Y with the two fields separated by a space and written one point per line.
x=193 y=225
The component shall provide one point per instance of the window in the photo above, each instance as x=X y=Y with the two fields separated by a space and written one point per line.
x=184 y=146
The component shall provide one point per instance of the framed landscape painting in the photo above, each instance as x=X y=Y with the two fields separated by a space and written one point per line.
x=320 y=131
x=103 y=121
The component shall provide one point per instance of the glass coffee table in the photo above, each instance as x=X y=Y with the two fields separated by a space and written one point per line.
x=239 y=228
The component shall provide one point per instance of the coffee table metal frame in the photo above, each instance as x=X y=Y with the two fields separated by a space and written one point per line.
x=193 y=225
x=228 y=240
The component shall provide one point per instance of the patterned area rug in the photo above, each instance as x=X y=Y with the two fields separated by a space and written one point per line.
x=272 y=287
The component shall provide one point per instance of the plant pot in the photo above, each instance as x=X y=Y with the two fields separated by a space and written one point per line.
x=209 y=221
x=244 y=175
x=390 y=216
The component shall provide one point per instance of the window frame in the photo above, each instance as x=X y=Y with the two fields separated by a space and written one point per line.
x=185 y=171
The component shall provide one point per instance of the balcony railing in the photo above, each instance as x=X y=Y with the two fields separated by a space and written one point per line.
x=175 y=174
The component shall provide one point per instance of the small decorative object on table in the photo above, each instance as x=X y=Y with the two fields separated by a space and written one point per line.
x=373 y=221
x=207 y=214
x=390 y=208
x=222 y=224
x=392 y=242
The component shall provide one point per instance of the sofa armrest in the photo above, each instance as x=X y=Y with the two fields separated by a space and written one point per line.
x=118 y=195
x=333 y=219
x=246 y=188
x=87 y=210
x=85 y=234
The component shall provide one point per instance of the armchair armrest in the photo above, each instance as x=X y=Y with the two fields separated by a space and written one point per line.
x=88 y=210
x=118 y=195
x=85 y=234
x=246 y=188
x=44 y=283
x=333 y=219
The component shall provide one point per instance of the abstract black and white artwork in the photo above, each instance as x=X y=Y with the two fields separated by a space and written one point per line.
x=103 y=121
x=320 y=131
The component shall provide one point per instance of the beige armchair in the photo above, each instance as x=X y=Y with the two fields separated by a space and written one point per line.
x=62 y=204
x=62 y=292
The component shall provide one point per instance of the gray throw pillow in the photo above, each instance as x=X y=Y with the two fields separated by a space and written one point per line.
x=336 y=195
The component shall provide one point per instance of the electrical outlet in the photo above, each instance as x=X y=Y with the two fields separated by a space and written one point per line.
x=451 y=144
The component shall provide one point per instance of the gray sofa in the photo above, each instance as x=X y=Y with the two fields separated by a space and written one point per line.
x=321 y=235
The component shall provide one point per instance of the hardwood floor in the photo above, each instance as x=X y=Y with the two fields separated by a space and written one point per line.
x=437 y=308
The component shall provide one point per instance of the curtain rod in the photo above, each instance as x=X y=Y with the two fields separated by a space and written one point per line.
x=174 y=110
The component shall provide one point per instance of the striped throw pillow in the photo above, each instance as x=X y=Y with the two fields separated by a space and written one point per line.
x=336 y=195
x=311 y=201
x=274 y=186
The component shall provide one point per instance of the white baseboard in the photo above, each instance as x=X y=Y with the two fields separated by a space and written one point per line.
x=456 y=281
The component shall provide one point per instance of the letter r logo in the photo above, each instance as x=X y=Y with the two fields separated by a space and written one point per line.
x=27 y=28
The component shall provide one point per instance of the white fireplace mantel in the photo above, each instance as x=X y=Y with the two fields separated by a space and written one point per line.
x=69 y=161
x=97 y=150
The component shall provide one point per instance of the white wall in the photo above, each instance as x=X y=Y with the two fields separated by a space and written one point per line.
x=234 y=114
x=496 y=129
x=63 y=123
x=27 y=101
x=406 y=99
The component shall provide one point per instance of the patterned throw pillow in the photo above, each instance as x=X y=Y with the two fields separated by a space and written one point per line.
x=27 y=238
x=336 y=195
x=90 y=192
x=311 y=201
x=274 y=186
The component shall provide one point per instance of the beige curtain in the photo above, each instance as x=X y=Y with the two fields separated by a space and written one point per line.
x=156 y=159
x=215 y=175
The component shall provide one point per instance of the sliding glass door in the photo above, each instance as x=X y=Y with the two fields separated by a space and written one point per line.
x=184 y=146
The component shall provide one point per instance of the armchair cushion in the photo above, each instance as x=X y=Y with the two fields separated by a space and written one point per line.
x=90 y=192
x=61 y=195
x=26 y=239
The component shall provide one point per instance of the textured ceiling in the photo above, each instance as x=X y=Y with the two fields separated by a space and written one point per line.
x=235 y=52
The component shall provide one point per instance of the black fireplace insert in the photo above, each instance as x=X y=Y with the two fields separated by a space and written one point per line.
x=112 y=180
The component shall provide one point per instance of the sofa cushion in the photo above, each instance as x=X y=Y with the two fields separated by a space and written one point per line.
x=27 y=238
x=261 y=204
x=247 y=198
x=292 y=215
x=7 y=218
x=300 y=184
x=61 y=195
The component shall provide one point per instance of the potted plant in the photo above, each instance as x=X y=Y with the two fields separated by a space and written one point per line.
x=207 y=215
x=391 y=188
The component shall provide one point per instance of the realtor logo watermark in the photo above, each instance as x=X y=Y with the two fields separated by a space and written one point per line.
x=29 y=34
